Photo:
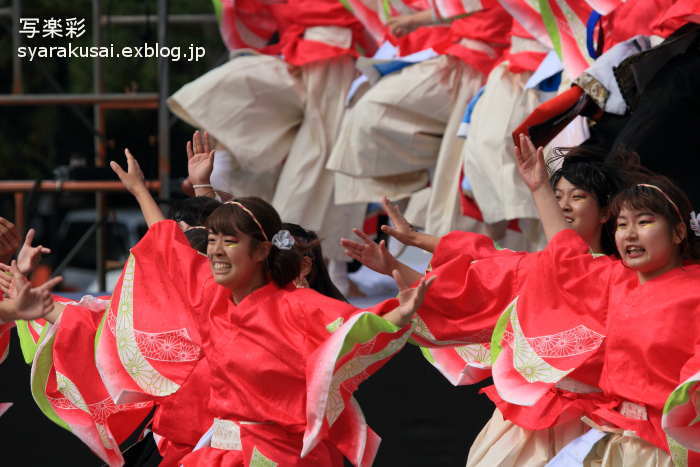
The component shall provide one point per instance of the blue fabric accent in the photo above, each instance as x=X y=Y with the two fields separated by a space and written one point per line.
x=391 y=67
x=466 y=184
x=550 y=84
x=590 y=28
x=472 y=103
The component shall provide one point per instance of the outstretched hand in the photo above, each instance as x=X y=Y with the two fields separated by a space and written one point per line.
x=410 y=299
x=132 y=179
x=400 y=229
x=9 y=239
x=200 y=159
x=35 y=303
x=11 y=279
x=531 y=166
x=29 y=256
x=373 y=255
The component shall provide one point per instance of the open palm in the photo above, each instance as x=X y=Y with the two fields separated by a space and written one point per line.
x=530 y=160
x=200 y=159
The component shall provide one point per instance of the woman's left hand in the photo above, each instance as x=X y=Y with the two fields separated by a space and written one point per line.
x=410 y=299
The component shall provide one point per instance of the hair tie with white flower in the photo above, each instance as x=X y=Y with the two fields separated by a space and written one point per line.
x=283 y=240
x=695 y=223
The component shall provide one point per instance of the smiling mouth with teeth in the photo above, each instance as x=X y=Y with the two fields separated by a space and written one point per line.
x=221 y=267
x=634 y=250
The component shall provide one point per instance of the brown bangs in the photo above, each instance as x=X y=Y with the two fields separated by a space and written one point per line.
x=643 y=198
x=227 y=219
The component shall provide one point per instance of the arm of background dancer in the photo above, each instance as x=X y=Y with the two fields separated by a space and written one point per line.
x=200 y=164
x=531 y=168
x=133 y=181
x=403 y=24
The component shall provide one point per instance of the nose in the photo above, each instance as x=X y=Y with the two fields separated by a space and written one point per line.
x=564 y=204
x=217 y=248
x=631 y=232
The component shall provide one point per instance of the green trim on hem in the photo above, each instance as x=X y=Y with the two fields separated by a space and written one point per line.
x=500 y=329
x=365 y=329
x=42 y=368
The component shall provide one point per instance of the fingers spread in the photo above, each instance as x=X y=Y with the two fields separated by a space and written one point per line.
x=117 y=169
x=50 y=284
x=363 y=236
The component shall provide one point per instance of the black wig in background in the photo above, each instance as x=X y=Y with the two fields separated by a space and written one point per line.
x=194 y=212
x=318 y=278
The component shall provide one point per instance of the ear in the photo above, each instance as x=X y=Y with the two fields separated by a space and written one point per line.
x=679 y=233
x=604 y=215
x=306 y=265
x=262 y=251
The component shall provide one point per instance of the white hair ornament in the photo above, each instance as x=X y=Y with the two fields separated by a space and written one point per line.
x=283 y=240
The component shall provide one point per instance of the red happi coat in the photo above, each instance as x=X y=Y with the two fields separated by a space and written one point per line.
x=574 y=323
x=284 y=362
x=278 y=28
x=61 y=379
x=4 y=350
x=4 y=336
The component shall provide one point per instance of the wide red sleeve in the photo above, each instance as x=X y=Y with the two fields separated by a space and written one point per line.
x=68 y=389
x=682 y=411
x=348 y=346
x=150 y=340
x=555 y=323
x=473 y=245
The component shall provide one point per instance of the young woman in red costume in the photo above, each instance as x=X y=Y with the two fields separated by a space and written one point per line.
x=561 y=305
x=284 y=360
x=69 y=389
x=529 y=435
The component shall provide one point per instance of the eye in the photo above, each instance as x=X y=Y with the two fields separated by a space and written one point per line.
x=621 y=225
x=230 y=241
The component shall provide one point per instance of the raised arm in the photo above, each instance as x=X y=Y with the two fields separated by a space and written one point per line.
x=531 y=168
x=133 y=181
x=402 y=231
x=377 y=257
x=200 y=164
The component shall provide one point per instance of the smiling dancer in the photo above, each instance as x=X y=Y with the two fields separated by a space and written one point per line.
x=258 y=333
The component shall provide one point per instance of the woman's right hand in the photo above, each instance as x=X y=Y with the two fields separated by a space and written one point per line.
x=373 y=255
x=530 y=161
x=11 y=279
x=200 y=159
x=30 y=256
x=132 y=179
x=400 y=229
